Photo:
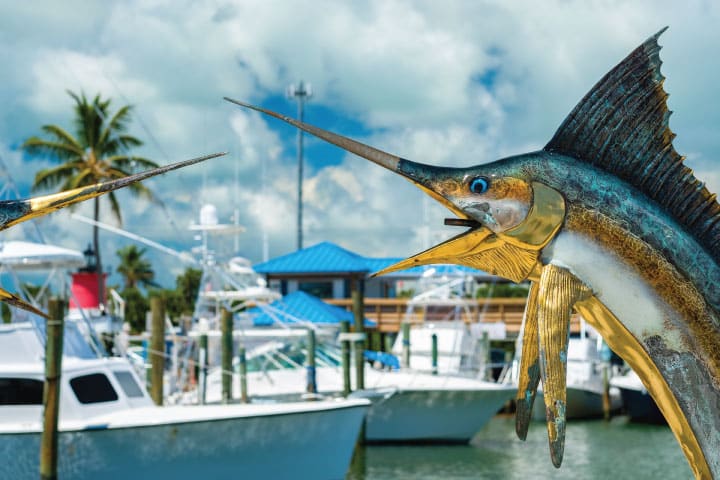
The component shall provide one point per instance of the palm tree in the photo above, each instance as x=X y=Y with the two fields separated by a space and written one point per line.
x=98 y=151
x=134 y=268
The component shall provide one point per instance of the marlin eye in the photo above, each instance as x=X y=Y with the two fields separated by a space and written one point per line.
x=479 y=185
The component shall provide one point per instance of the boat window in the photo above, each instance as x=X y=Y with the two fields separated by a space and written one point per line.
x=21 y=391
x=94 y=388
x=128 y=384
x=318 y=289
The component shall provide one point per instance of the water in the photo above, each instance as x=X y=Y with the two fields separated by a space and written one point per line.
x=593 y=449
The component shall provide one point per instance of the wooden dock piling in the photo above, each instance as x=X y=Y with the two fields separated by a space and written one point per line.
x=202 y=364
x=405 y=328
x=157 y=349
x=606 y=391
x=242 y=368
x=226 y=328
x=434 y=354
x=310 y=367
x=51 y=390
x=345 y=349
x=486 y=374
x=359 y=316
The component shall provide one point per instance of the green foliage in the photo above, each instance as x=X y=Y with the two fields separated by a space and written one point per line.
x=6 y=313
x=187 y=285
x=178 y=302
x=175 y=305
x=135 y=269
x=502 y=290
x=136 y=308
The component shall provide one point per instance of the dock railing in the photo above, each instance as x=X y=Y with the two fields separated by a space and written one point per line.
x=389 y=313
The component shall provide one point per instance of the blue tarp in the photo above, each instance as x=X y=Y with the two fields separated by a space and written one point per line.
x=303 y=307
x=385 y=359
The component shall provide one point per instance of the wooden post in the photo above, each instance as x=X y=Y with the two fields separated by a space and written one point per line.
x=345 y=348
x=359 y=314
x=434 y=354
x=202 y=363
x=405 y=344
x=157 y=349
x=606 y=391
x=310 y=367
x=487 y=372
x=226 y=328
x=51 y=390
x=242 y=367
x=388 y=342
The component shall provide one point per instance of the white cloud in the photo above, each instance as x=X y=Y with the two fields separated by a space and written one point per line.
x=457 y=83
x=56 y=71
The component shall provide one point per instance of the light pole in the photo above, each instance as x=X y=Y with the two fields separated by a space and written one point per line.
x=301 y=93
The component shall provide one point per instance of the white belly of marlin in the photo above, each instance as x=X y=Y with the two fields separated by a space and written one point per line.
x=620 y=288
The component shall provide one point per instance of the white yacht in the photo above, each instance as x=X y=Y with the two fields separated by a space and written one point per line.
x=585 y=384
x=408 y=406
x=109 y=427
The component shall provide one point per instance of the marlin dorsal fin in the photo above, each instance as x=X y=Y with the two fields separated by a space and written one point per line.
x=621 y=126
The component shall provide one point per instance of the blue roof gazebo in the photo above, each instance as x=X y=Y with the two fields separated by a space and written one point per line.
x=330 y=271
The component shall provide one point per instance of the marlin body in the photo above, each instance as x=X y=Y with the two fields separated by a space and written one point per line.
x=605 y=221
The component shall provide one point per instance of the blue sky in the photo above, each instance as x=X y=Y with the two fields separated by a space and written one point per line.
x=453 y=83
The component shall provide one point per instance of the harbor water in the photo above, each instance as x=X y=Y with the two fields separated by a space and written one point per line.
x=593 y=450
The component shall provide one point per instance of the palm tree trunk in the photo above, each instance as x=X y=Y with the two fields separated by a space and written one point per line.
x=96 y=246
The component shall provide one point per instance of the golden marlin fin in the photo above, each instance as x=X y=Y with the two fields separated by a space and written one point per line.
x=13 y=212
x=477 y=248
x=529 y=373
x=558 y=291
x=16 y=301
x=454 y=250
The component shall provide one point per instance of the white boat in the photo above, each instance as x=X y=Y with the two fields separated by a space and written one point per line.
x=109 y=427
x=19 y=258
x=445 y=308
x=637 y=402
x=585 y=384
x=407 y=407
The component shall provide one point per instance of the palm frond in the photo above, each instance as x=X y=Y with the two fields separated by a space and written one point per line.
x=114 y=126
x=115 y=207
x=51 y=177
x=89 y=118
x=120 y=143
x=82 y=178
x=131 y=163
x=61 y=135
x=58 y=150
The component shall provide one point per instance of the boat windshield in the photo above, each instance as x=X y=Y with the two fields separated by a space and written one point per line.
x=281 y=356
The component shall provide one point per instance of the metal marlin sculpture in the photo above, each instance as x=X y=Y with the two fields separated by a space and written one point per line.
x=13 y=212
x=605 y=221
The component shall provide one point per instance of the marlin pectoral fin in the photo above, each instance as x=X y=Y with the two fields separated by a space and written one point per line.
x=529 y=374
x=16 y=301
x=477 y=248
x=454 y=251
x=558 y=291
x=13 y=212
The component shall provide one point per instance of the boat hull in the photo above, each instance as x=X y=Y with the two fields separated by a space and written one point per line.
x=581 y=403
x=278 y=446
x=640 y=407
x=430 y=416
